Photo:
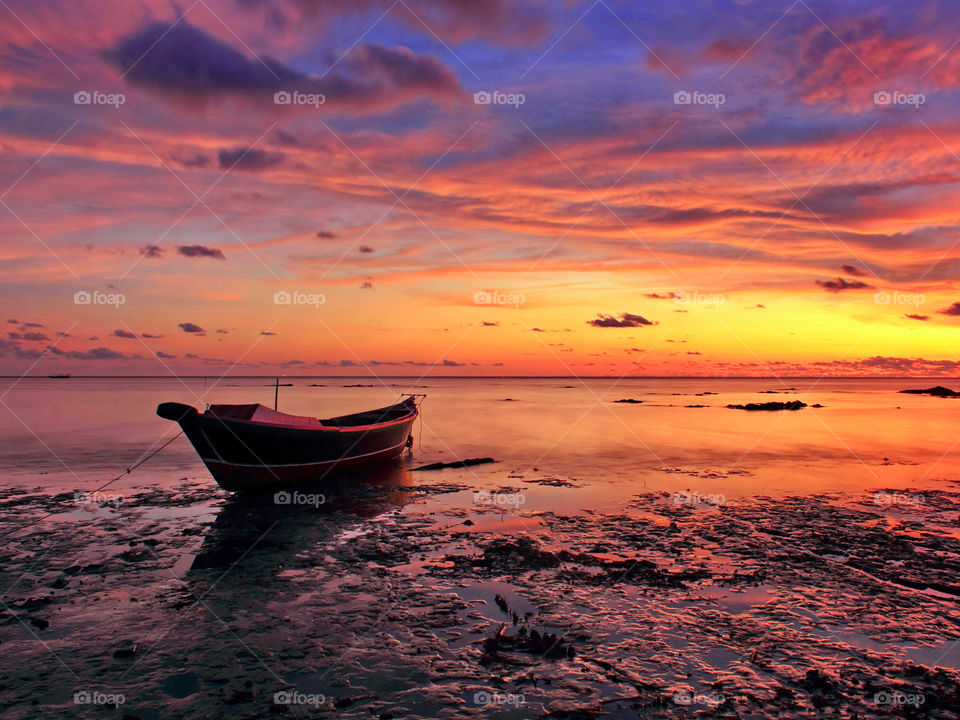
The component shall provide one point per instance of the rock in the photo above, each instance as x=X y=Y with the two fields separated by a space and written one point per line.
x=937 y=391
x=629 y=401
x=39 y=623
x=520 y=552
x=794 y=405
x=126 y=650
x=458 y=464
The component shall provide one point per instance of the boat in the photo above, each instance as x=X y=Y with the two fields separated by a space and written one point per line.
x=253 y=448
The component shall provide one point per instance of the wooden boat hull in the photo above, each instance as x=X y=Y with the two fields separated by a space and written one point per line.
x=243 y=455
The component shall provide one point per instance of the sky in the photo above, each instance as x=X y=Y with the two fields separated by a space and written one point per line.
x=452 y=187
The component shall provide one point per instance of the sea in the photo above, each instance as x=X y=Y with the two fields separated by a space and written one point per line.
x=661 y=557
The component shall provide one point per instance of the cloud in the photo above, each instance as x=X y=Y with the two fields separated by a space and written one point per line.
x=451 y=363
x=626 y=320
x=366 y=285
x=100 y=353
x=916 y=317
x=484 y=323
x=164 y=355
x=194 y=162
x=267 y=332
x=151 y=251
x=9 y=347
x=498 y=21
x=123 y=334
x=200 y=251
x=840 y=284
x=665 y=296
x=852 y=270
x=953 y=310
x=183 y=61
x=249 y=159
x=148 y=336
x=366 y=249
x=326 y=234
x=29 y=336
x=193 y=328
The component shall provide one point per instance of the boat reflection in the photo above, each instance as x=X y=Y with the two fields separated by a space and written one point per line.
x=259 y=533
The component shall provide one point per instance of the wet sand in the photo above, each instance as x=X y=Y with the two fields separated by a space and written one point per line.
x=453 y=595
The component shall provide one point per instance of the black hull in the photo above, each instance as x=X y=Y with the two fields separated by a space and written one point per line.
x=250 y=456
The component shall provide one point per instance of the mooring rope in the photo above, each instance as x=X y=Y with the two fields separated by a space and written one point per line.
x=130 y=469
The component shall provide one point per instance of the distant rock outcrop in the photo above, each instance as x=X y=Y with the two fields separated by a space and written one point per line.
x=938 y=391
x=795 y=405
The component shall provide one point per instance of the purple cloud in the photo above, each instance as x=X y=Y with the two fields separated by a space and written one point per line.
x=182 y=60
x=249 y=159
x=201 y=251
x=627 y=320
x=840 y=284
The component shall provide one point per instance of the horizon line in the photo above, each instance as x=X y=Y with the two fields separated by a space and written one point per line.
x=505 y=377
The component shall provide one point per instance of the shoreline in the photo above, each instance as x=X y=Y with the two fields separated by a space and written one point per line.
x=385 y=601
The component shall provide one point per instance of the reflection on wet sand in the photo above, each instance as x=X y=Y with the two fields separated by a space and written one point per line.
x=264 y=529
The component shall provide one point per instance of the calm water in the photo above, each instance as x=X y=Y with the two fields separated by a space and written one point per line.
x=792 y=587
x=78 y=432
